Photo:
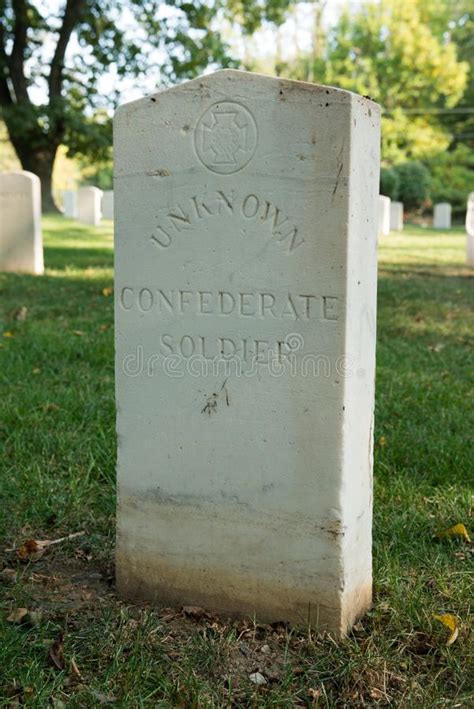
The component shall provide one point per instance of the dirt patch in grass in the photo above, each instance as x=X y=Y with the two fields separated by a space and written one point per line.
x=86 y=645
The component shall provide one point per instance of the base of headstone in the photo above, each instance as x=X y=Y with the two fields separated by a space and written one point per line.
x=232 y=595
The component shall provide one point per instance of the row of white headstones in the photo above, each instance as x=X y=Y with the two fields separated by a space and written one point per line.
x=21 y=240
x=21 y=247
x=391 y=215
x=391 y=219
x=88 y=204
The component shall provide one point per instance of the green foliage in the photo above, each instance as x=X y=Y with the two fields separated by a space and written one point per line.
x=453 y=177
x=411 y=137
x=455 y=19
x=389 y=183
x=99 y=174
x=8 y=159
x=414 y=184
x=63 y=57
x=389 y=51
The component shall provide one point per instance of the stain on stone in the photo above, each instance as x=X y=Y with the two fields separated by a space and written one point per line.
x=159 y=173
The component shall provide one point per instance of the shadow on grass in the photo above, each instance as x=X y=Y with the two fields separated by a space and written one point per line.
x=50 y=297
x=64 y=258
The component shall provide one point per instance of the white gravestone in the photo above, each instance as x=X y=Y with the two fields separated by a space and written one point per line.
x=396 y=216
x=246 y=229
x=108 y=205
x=384 y=215
x=442 y=216
x=89 y=205
x=470 y=230
x=70 y=204
x=21 y=240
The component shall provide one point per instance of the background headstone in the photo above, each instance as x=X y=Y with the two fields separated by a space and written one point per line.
x=384 y=215
x=396 y=216
x=89 y=205
x=246 y=225
x=442 y=216
x=108 y=204
x=470 y=230
x=70 y=203
x=21 y=240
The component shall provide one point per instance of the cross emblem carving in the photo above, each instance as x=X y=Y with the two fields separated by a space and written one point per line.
x=226 y=137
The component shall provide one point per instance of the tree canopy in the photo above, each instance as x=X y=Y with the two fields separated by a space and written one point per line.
x=393 y=53
x=54 y=54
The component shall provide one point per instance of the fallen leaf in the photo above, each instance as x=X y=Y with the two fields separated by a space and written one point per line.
x=107 y=291
x=79 y=333
x=382 y=441
x=457 y=530
x=75 y=668
x=33 y=549
x=298 y=671
x=18 y=615
x=37 y=370
x=436 y=348
x=314 y=693
x=195 y=612
x=7 y=333
x=450 y=621
x=56 y=652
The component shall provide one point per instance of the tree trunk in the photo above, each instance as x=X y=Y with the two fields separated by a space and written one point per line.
x=41 y=163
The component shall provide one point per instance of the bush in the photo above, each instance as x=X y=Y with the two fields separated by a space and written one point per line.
x=414 y=186
x=389 y=183
x=453 y=178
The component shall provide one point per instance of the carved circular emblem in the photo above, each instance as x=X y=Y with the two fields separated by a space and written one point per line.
x=225 y=137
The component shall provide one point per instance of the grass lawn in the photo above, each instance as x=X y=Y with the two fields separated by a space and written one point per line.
x=57 y=454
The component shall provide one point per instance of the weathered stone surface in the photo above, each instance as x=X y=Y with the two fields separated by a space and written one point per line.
x=21 y=241
x=442 y=216
x=246 y=224
x=108 y=204
x=89 y=205
x=384 y=215
x=470 y=230
x=70 y=204
x=396 y=216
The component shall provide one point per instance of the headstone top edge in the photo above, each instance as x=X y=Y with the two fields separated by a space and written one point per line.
x=21 y=173
x=242 y=76
x=89 y=187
